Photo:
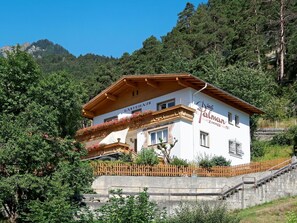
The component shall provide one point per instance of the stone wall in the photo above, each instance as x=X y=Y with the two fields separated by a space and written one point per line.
x=170 y=192
x=280 y=186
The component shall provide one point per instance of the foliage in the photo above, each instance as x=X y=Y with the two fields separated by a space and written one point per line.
x=220 y=161
x=63 y=95
x=130 y=209
x=147 y=157
x=203 y=212
x=165 y=149
x=266 y=150
x=118 y=122
x=208 y=161
x=18 y=73
x=126 y=157
x=291 y=217
x=287 y=138
x=205 y=161
x=179 y=162
x=257 y=149
x=41 y=175
x=269 y=211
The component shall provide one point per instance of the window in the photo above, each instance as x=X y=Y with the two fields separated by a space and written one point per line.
x=111 y=119
x=237 y=120
x=157 y=135
x=166 y=104
x=235 y=148
x=136 y=111
x=232 y=148
x=230 y=119
x=204 y=139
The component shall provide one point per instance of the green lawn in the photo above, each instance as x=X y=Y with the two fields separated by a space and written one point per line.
x=273 y=152
x=272 y=212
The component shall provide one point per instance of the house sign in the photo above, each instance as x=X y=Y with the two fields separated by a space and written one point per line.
x=138 y=106
x=205 y=112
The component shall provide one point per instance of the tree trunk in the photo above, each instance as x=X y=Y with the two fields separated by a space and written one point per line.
x=282 y=42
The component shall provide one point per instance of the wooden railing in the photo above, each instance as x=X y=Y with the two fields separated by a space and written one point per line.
x=126 y=169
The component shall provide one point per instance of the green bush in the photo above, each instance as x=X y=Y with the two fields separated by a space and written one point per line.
x=287 y=138
x=147 y=157
x=204 y=161
x=130 y=209
x=207 y=161
x=179 y=162
x=203 y=212
x=126 y=157
x=220 y=161
x=257 y=149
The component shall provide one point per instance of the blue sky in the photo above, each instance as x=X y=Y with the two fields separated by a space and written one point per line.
x=104 y=27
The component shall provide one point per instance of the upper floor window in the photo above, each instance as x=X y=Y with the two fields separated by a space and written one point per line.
x=230 y=119
x=204 y=139
x=155 y=136
x=136 y=111
x=165 y=104
x=237 y=120
x=111 y=119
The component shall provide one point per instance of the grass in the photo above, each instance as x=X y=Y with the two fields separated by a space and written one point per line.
x=286 y=123
x=271 y=212
x=273 y=151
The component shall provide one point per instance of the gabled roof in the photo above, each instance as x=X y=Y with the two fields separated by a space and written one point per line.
x=183 y=80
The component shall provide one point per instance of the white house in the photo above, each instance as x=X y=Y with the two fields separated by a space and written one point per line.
x=136 y=111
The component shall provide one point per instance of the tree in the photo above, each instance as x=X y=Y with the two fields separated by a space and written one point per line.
x=63 y=95
x=184 y=18
x=41 y=175
x=18 y=72
x=166 y=149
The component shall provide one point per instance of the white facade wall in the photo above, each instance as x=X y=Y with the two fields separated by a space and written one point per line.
x=220 y=134
x=211 y=117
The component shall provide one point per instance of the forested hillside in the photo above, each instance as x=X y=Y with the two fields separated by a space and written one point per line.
x=248 y=48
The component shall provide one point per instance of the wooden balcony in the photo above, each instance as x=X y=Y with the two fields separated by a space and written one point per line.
x=136 y=121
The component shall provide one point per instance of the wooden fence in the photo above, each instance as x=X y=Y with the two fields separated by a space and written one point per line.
x=126 y=169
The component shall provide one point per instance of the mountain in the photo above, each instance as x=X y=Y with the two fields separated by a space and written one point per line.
x=38 y=49
x=43 y=48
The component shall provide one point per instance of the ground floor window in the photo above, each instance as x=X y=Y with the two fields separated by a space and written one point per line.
x=235 y=148
x=204 y=139
x=156 y=135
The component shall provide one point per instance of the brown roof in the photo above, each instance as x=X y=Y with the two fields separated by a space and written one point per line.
x=184 y=80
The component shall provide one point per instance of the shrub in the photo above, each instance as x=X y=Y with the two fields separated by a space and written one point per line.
x=179 y=162
x=203 y=212
x=136 y=209
x=208 y=161
x=126 y=157
x=257 y=149
x=287 y=138
x=220 y=161
x=204 y=161
x=147 y=157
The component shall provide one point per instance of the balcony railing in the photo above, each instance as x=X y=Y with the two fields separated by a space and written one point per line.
x=106 y=150
x=136 y=121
